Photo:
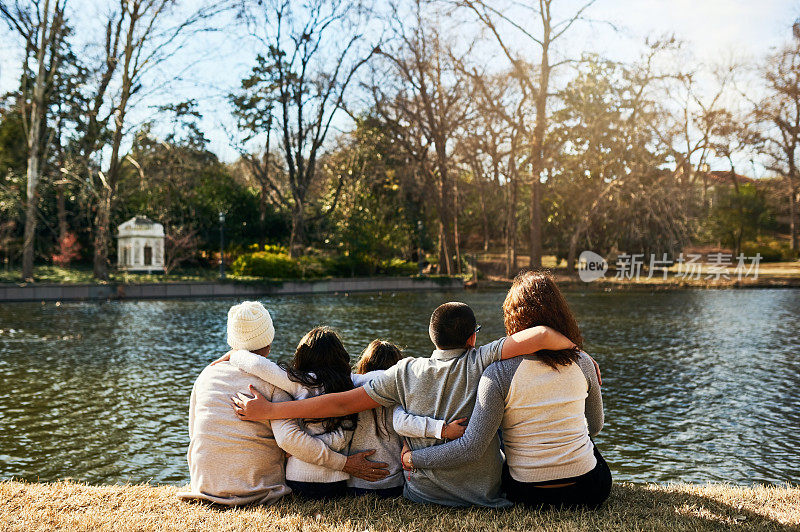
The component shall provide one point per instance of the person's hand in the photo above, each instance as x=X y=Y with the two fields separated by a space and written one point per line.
x=454 y=429
x=597 y=369
x=357 y=465
x=405 y=457
x=253 y=407
x=223 y=358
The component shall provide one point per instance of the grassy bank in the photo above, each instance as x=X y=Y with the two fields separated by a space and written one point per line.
x=69 y=506
x=83 y=275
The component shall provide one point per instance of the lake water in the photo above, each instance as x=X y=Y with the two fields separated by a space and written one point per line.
x=698 y=385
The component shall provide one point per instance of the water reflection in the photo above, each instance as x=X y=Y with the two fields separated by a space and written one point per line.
x=698 y=385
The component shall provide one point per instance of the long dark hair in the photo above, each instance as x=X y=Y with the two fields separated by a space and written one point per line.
x=378 y=355
x=321 y=361
x=534 y=299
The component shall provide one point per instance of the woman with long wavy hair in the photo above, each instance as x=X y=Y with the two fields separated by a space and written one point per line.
x=547 y=404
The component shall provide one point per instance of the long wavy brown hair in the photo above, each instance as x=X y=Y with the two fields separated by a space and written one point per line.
x=534 y=299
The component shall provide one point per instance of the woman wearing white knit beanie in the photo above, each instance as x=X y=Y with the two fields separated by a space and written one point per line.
x=250 y=326
x=232 y=462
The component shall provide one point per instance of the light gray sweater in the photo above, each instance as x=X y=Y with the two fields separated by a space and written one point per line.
x=444 y=387
x=546 y=416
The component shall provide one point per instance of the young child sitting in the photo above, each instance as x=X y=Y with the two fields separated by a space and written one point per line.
x=381 y=428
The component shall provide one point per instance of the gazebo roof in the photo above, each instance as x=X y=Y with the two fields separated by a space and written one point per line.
x=140 y=226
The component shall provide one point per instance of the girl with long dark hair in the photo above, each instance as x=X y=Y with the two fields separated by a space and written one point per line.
x=547 y=404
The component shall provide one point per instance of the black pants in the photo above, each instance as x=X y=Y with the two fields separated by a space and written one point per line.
x=588 y=491
x=383 y=493
x=318 y=491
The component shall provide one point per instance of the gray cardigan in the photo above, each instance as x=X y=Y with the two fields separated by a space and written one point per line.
x=546 y=417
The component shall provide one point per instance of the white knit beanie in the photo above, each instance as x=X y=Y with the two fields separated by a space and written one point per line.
x=249 y=326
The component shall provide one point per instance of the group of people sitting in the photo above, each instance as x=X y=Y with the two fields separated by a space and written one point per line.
x=489 y=425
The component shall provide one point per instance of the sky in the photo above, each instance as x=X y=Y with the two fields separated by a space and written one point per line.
x=212 y=65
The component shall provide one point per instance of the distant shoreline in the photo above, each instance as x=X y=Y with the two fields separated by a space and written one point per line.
x=610 y=283
x=35 y=292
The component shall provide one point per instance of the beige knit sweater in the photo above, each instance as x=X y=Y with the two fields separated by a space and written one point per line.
x=235 y=462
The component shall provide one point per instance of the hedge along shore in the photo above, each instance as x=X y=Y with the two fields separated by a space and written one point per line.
x=105 y=292
x=69 y=506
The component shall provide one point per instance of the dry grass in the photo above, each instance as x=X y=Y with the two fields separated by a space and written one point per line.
x=70 y=506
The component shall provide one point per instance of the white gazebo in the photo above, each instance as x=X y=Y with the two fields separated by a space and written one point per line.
x=140 y=245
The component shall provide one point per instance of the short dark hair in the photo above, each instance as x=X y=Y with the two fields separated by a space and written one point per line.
x=451 y=325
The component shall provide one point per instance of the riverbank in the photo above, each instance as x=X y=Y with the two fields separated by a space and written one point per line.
x=771 y=275
x=70 y=506
x=22 y=292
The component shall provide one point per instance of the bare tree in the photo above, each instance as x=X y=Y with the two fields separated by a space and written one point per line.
x=150 y=31
x=495 y=148
x=180 y=245
x=312 y=52
x=41 y=25
x=779 y=115
x=548 y=30
x=425 y=105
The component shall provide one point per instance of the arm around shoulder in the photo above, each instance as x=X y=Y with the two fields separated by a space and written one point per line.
x=269 y=371
x=535 y=339
x=595 y=416
x=291 y=437
x=483 y=424
x=412 y=426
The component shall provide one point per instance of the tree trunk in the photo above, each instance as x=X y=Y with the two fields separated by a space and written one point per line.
x=509 y=208
x=30 y=223
x=536 y=223
x=103 y=219
x=573 y=248
x=61 y=209
x=446 y=244
x=456 y=238
x=297 y=237
x=793 y=215
x=537 y=157
x=442 y=248
x=511 y=224
x=262 y=215
x=101 y=235
x=485 y=219
x=34 y=146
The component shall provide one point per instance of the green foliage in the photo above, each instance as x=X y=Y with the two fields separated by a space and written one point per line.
x=378 y=208
x=276 y=263
x=266 y=264
x=366 y=265
x=399 y=267
x=13 y=163
x=771 y=250
x=739 y=216
x=182 y=184
x=608 y=189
